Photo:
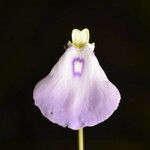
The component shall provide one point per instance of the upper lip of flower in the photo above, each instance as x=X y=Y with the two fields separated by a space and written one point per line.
x=80 y=38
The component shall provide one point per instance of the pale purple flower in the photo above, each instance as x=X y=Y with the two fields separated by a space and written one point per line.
x=77 y=93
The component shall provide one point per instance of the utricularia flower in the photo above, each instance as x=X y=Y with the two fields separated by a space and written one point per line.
x=77 y=93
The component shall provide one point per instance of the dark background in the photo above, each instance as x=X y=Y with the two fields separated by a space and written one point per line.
x=33 y=34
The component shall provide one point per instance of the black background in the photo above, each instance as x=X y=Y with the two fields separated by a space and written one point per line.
x=33 y=34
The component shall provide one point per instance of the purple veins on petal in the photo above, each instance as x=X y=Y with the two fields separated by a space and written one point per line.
x=102 y=101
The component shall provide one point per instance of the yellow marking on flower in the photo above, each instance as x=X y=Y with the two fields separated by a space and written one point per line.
x=80 y=38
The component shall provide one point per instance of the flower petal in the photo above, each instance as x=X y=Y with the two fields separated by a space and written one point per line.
x=77 y=92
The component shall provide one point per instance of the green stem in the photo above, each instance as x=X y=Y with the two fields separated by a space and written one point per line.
x=80 y=139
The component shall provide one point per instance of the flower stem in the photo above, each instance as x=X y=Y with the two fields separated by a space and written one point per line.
x=80 y=139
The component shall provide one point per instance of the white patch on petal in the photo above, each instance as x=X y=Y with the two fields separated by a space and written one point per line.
x=78 y=66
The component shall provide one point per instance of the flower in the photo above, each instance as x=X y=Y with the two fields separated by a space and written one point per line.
x=77 y=93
